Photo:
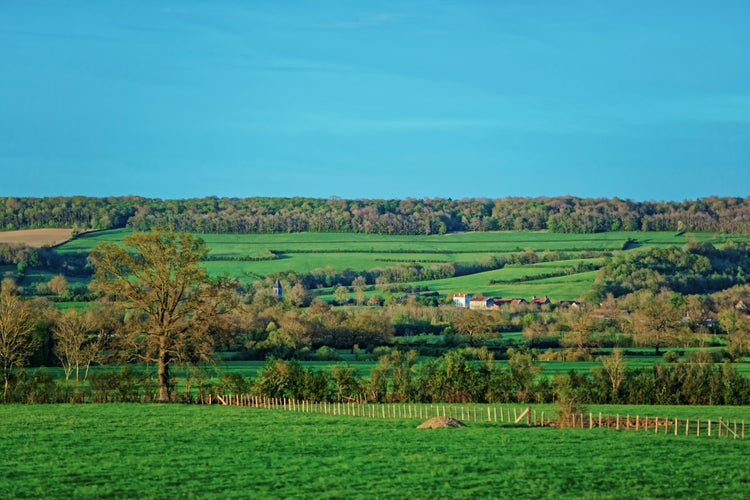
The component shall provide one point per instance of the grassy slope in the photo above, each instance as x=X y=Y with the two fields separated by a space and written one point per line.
x=304 y=252
x=169 y=451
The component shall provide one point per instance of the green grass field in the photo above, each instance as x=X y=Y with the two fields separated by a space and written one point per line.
x=179 y=451
x=305 y=252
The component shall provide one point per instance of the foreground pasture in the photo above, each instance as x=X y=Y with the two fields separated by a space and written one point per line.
x=164 y=451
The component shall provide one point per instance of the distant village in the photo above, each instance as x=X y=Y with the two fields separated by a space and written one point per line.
x=466 y=301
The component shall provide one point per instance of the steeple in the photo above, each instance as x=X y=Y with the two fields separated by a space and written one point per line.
x=277 y=291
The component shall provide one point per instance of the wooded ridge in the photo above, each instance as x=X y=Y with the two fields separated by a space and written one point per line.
x=564 y=214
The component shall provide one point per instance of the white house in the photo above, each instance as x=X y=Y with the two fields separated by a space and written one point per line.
x=462 y=300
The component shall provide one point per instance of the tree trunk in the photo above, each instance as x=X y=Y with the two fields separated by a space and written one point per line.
x=6 y=377
x=163 y=372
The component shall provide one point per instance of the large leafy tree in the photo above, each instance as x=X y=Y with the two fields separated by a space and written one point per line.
x=171 y=305
x=657 y=318
x=17 y=343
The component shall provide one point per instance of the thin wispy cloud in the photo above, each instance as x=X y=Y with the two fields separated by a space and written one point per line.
x=373 y=20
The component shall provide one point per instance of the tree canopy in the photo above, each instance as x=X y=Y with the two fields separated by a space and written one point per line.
x=565 y=214
x=170 y=303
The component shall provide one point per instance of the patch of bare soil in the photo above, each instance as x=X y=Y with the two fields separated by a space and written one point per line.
x=438 y=422
x=36 y=237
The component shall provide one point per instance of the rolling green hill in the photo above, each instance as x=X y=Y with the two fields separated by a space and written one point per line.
x=248 y=257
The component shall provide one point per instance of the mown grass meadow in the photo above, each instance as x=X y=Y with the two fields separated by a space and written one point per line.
x=181 y=451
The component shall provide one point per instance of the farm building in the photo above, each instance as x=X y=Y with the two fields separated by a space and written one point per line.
x=500 y=302
x=465 y=300
x=481 y=304
x=461 y=300
x=570 y=303
x=540 y=301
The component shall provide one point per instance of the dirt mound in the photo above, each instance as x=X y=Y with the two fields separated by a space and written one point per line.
x=437 y=422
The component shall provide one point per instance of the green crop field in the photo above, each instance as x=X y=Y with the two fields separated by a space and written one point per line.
x=470 y=242
x=230 y=254
x=180 y=451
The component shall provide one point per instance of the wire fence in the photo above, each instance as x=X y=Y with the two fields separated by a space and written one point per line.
x=507 y=415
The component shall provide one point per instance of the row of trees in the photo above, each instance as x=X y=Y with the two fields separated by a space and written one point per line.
x=266 y=327
x=408 y=216
x=470 y=375
x=658 y=320
x=460 y=376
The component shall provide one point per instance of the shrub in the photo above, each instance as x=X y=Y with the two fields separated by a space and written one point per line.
x=326 y=353
x=670 y=357
x=568 y=403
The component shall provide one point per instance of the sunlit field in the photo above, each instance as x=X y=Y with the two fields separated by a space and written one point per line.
x=36 y=237
x=241 y=256
x=177 y=451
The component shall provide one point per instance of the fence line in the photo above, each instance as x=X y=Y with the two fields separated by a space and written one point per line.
x=720 y=428
x=496 y=414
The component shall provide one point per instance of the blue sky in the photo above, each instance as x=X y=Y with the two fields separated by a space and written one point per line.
x=390 y=99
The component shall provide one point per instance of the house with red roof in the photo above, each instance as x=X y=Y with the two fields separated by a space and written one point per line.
x=540 y=301
x=481 y=303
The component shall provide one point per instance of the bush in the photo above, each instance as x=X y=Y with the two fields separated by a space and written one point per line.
x=326 y=353
x=125 y=386
x=671 y=357
x=568 y=403
x=38 y=388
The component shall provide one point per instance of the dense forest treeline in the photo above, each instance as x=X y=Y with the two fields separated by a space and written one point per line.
x=564 y=214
